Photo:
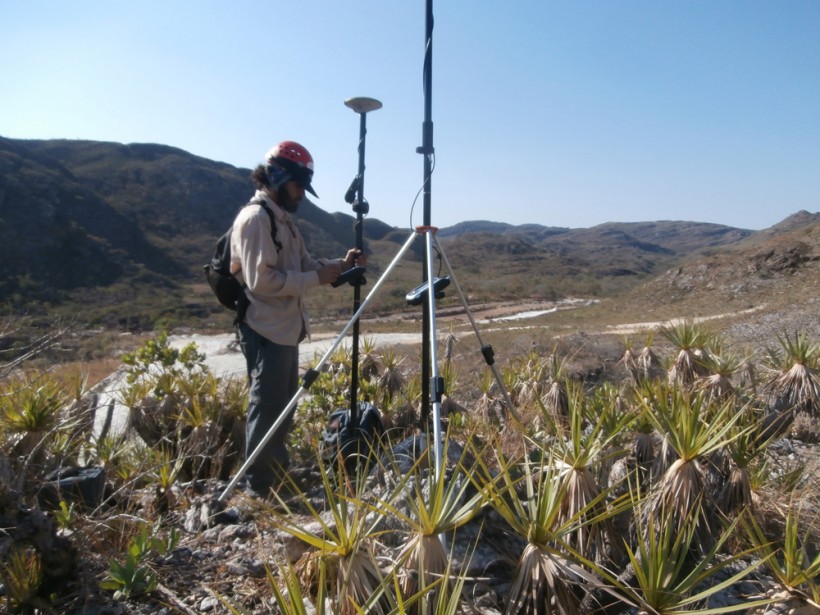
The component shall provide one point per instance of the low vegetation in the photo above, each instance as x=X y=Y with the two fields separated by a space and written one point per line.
x=651 y=492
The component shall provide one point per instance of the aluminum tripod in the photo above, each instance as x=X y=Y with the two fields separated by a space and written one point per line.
x=436 y=382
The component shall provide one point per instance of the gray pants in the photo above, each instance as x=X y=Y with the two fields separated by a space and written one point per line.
x=273 y=373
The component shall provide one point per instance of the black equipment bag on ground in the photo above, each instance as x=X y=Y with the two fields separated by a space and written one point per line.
x=227 y=289
x=342 y=439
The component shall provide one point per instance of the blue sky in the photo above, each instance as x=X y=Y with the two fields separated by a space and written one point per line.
x=563 y=113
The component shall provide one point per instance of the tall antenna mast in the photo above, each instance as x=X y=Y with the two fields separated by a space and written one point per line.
x=428 y=152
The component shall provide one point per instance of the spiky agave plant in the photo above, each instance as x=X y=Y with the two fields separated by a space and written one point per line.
x=690 y=340
x=576 y=454
x=442 y=596
x=233 y=396
x=30 y=409
x=401 y=414
x=34 y=427
x=489 y=406
x=681 y=416
x=649 y=363
x=22 y=575
x=341 y=360
x=663 y=455
x=609 y=409
x=747 y=372
x=512 y=376
x=549 y=570
x=716 y=384
x=201 y=425
x=291 y=600
x=529 y=387
x=788 y=557
x=151 y=417
x=344 y=554
x=555 y=400
x=164 y=473
x=629 y=361
x=449 y=406
x=80 y=411
x=744 y=450
x=796 y=383
x=368 y=361
x=447 y=590
x=668 y=579
x=438 y=503
x=391 y=379
x=643 y=448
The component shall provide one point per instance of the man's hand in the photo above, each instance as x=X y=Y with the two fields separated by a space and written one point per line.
x=329 y=273
x=353 y=257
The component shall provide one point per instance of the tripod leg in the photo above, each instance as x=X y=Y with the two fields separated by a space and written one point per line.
x=486 y=350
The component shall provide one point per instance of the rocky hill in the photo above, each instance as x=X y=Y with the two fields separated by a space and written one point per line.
x=761 y=287
x=108 y=225
x=598 y=261
x=123 y=231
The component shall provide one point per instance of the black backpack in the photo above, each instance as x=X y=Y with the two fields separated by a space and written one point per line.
x=229 y=292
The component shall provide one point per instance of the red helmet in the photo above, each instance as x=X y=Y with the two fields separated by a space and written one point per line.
x=292 y=151
x=296 y=161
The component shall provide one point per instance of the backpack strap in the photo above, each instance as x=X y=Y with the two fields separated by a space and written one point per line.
x=273 y=226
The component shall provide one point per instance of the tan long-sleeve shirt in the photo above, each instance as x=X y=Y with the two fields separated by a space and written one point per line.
x=276 y=279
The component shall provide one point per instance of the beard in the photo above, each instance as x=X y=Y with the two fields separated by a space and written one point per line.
x=287 y=202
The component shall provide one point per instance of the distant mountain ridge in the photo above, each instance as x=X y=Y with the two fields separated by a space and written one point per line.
x=123 y=230
x=662 y=236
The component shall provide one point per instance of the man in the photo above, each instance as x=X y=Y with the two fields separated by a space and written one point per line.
x=269 y=257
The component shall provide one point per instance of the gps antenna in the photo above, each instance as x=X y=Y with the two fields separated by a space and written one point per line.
x=355 y=196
